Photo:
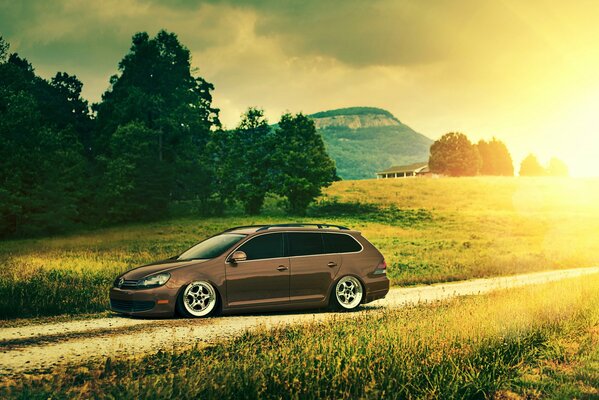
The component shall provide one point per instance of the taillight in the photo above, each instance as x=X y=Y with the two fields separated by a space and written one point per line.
x=381 y=268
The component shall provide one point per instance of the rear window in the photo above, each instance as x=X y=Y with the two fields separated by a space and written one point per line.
x=305 y=244
x=264 y=246
x=340 y=243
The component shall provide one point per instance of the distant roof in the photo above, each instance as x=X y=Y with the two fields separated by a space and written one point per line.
x=416 y=167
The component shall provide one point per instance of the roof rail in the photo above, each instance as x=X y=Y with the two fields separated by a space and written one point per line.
x=243 y=227
x=299 y=225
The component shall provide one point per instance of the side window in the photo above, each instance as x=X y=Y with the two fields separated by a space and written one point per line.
x=305 y=244
x=339 y=243
x=264 y=246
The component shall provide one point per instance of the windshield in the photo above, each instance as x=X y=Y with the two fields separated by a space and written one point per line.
x=211 y=247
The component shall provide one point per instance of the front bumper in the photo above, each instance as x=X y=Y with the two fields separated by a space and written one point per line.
x=154 y=302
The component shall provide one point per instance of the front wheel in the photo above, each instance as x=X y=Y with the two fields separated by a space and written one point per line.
x=348 y=293
x=198 y=299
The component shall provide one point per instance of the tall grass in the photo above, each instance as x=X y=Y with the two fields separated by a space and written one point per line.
x=429 y=230
x=54 y=292
x=468 y=348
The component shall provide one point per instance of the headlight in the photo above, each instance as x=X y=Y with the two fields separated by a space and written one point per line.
x=154 y=280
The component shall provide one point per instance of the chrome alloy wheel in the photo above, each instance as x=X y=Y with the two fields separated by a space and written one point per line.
x=349 y=292
x=199 y=298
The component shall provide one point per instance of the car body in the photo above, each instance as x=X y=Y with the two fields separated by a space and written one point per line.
x=258 y=268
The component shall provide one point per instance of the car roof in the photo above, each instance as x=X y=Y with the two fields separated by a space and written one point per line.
x=250 y=229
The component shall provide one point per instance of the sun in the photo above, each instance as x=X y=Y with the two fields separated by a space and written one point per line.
x=574 y=134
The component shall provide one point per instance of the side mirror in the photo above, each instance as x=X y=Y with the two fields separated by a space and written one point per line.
x=237 y=257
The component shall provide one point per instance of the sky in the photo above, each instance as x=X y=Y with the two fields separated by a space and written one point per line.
x=526 y=72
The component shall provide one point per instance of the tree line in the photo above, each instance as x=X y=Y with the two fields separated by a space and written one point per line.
x=154 y=138
x=455 y=155
x=532 y=167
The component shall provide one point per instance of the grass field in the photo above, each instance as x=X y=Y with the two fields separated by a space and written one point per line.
x=484 y=226
x=536 y=342
x=429 y=230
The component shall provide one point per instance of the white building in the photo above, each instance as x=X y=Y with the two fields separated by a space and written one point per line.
x=404 y=171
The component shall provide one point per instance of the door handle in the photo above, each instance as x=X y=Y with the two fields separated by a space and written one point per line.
x=282 y=268
x=332 y=264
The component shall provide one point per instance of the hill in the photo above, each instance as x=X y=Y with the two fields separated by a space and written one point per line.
x=364 y=140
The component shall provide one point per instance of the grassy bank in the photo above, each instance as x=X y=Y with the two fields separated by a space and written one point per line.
x=477 y=347
x=429 y=230
x=481 y=226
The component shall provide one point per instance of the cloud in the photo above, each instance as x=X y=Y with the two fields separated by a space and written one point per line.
x=386 y=32
x=506 y=68
x=90 y=38
x=355 y=32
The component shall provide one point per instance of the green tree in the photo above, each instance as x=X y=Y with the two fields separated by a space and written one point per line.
x=157 y=90
x=223 y=154
x=4 y=46
x=41 y=163
x=244 y=161
x=531 y=166
x=454 y=155
x=136 y=189
x=557 y=167
x=301 y=166
x=70 y=106
x=495 y=158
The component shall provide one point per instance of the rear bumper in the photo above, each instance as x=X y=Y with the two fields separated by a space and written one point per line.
x=155 y=302
x=376 y=289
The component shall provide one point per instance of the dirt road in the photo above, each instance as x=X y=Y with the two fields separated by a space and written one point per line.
x=41 y=347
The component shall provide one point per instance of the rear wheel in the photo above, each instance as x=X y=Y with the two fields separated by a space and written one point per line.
x=198 y=299
x=348 y=293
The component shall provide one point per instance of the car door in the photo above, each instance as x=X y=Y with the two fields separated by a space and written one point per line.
x=262 y=279
x=312 y=271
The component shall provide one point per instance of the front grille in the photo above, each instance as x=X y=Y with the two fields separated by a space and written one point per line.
x=129 y=284
x=131 y=305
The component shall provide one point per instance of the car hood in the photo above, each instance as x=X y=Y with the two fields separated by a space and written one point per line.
x=158 y=267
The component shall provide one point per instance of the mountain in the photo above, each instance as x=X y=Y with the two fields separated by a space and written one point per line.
x=364 y=140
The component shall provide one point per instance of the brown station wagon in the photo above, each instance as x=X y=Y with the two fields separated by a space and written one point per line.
x=258 y=268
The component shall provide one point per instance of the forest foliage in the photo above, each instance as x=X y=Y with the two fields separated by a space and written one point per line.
x=531 y=166
x=154 y=139
x=455 y=155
